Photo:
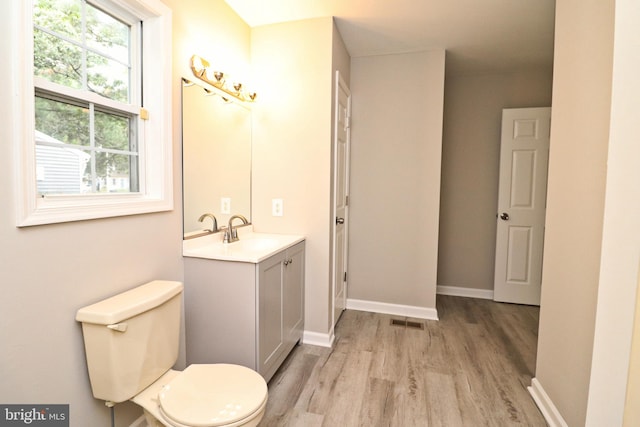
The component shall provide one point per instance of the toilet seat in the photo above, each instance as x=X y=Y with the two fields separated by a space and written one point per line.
x=213 y=395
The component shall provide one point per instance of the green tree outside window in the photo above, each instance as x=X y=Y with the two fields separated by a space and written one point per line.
x=81 y=47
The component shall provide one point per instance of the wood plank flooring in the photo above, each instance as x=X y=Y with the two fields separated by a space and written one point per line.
x=471 y=368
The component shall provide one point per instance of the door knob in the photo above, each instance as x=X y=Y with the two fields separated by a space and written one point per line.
x=504 y=216
x=339 y=220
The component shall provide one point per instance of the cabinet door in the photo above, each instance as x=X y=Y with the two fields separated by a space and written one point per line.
x=270 y=301
x=293 y=307
x=220 y=312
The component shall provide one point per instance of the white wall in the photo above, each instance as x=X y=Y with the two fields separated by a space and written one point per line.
x=395 y=177
x=294 y=64
x=631 y=408
x=575 y=202
x=212 y=30
x=470 y=164
x=621 y=231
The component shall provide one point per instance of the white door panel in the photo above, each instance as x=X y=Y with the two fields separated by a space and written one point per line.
x=524 y=155
x=341 y=196
x=518 y=267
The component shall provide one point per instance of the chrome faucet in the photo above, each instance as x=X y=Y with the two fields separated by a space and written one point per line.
x=213 y=218
x=231 y=234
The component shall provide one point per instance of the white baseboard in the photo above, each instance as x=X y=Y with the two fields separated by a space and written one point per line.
x=319 y=339
x=546 y=406
x=395 y=309
x=457 y=291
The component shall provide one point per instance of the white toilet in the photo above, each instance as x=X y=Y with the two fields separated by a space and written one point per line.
x=131 y=342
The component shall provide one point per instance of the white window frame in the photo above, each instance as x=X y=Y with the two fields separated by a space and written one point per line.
x=155 y=147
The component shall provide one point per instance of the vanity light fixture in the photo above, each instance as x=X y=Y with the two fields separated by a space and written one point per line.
x=207 y=92
x=201 y=68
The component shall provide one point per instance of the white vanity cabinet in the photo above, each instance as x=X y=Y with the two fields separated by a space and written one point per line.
x=245 y=313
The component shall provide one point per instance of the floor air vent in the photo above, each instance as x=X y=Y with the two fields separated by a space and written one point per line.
x=407 y=323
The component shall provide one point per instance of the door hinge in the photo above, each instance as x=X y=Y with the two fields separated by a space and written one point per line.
x=346 y=200
x=345 y=277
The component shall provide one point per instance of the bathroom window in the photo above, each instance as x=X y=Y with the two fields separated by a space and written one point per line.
x=96 y=140
x=84 y=57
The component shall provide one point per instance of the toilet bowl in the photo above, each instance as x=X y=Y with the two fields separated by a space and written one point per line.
x=131 y=342
x=205 y=396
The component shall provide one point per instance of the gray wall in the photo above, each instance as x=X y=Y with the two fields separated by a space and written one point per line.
x=395 y=177
x=470 y=163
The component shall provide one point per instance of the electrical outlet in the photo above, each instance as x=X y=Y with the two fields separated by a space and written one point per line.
x=225 y=205
x=277 y=207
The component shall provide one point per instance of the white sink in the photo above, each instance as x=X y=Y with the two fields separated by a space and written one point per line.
x=252 y=247
x=256 y=243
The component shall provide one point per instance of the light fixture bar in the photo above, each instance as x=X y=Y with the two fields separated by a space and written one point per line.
x=201 y=68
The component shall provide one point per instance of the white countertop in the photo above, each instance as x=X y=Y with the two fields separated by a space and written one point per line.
x=252 y=247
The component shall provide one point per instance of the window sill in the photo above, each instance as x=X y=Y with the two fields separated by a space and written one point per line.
x=56 y=209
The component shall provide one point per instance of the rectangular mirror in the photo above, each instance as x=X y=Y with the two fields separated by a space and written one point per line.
x=216 y=158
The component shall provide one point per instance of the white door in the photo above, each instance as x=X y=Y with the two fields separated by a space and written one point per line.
x=342 y=137
x=524 y=156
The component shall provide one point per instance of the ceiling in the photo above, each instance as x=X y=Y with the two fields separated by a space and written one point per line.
x=480 y=36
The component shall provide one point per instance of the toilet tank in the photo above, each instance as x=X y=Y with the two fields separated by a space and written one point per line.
x=131 y=339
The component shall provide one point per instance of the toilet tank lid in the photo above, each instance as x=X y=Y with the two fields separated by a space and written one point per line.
x=130 y=303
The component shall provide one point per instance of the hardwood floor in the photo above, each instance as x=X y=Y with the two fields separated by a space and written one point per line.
x=471 y=368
